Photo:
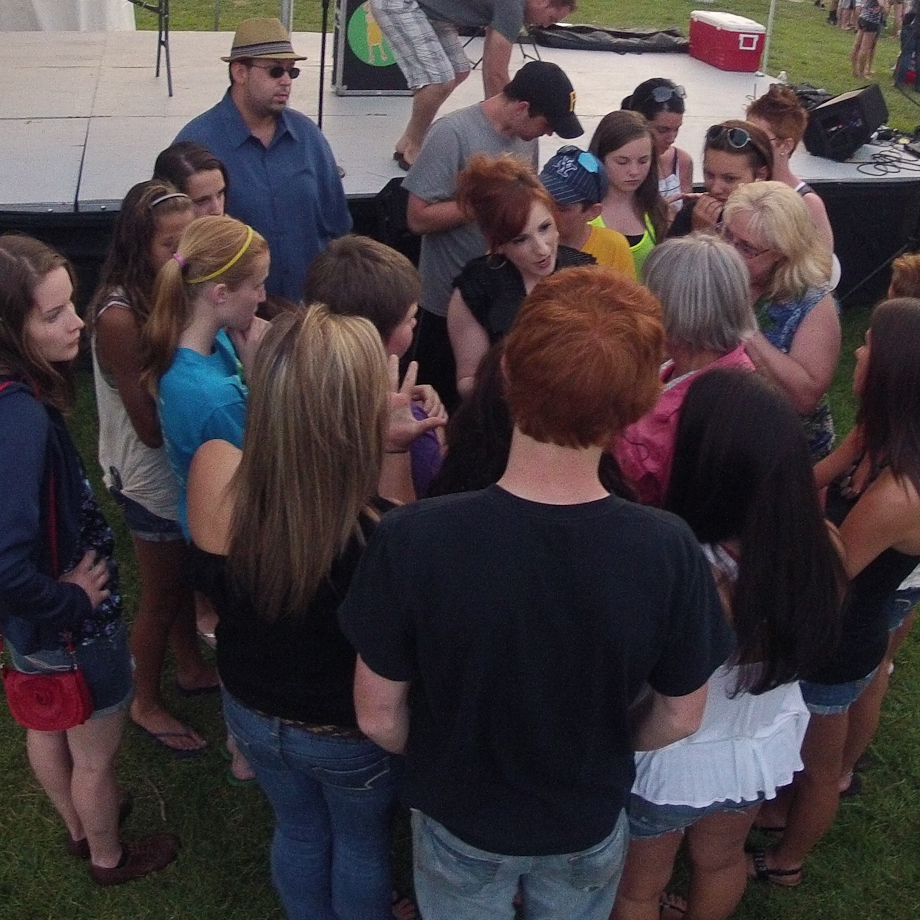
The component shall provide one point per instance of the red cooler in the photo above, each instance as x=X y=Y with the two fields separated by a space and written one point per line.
x=726 y=41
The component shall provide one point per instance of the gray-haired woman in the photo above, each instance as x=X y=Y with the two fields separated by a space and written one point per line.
x=702 y=284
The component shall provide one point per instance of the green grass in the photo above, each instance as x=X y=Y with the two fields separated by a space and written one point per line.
x=865 y=869
x=802 y=44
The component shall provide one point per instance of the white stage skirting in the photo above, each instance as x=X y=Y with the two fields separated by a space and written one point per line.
x=82 y=116
x=66 y=15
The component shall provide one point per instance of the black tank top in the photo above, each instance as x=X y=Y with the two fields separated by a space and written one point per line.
x=864 y=635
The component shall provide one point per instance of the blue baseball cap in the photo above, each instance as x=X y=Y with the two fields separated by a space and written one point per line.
x=574 y=176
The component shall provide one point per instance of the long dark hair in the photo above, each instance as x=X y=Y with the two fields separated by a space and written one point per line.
x=729 y=482
x=614 y=131
x=478 y=434
x=24 y=264
x=758 y=151
x=128 y=264
x=889 y=406
x=642 y=99
x=178 y=162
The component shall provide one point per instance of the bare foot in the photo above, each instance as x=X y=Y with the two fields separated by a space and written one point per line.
x=166 y=729
x=760 y=867
x=671 y=906
x=198 y=680
x=405 y=154
x=403 y=908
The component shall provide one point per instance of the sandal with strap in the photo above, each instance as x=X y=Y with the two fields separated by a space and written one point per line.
x=758 y=870
x=671 y=906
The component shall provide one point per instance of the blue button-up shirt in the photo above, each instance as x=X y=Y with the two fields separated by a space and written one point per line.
x=289 y=191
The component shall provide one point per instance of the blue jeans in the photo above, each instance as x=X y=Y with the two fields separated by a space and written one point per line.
x=456 y=881
x=332 y=799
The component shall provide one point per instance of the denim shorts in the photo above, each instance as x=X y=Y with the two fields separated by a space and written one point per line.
x=649 y=819
x=457 y=881
x=106 y=664
x=832 y=699
x=144 y=524
x=900 y=605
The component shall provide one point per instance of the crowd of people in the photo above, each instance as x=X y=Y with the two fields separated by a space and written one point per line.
x=630 y=595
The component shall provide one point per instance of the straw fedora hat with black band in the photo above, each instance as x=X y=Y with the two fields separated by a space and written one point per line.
x=262 y=38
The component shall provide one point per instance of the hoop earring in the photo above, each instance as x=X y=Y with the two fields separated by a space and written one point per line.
x=496 y=261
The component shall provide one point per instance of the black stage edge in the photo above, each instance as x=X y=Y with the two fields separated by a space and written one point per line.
x=872 y=222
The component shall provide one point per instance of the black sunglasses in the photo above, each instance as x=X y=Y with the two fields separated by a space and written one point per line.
x=276 y=71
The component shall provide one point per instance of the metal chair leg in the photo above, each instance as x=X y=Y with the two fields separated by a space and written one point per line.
x=163 y=42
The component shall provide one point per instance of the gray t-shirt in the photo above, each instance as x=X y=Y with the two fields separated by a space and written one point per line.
x=505 y=16
x=448 y=147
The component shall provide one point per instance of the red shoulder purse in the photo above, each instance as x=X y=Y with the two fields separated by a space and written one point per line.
x=51 y=702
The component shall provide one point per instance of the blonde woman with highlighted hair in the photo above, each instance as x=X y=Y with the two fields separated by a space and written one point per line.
x=278 y=529
x=202 y=335
x=798 y=343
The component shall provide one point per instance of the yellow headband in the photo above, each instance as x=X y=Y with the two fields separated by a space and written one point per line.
x=229 y=265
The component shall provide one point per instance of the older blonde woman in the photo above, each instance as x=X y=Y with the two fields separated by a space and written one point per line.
x=798 y=343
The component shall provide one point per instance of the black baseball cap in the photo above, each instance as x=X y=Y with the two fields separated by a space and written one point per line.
x=549 y=92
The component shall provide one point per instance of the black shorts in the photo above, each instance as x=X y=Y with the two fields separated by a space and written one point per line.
x=865 y=25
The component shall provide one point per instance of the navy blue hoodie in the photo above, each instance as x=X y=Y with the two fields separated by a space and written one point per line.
x=39 y=522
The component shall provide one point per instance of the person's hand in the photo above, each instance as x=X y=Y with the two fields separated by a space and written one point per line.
x=91 y=573
x=706 y=212
x=246 y=342
x=427 y=397
x=402 y=427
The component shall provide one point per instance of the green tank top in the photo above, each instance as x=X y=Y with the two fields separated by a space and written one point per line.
x=641 y=249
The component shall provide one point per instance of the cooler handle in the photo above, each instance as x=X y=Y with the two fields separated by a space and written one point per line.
x=747 y=42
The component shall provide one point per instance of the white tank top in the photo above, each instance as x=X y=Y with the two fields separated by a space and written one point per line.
x=670 y=185
x=141 y=473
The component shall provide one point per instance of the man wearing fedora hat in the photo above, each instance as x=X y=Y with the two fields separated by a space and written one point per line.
x=284 y=181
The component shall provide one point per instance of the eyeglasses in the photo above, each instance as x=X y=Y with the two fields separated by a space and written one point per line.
x=663 y=93
x=276 y=71
x=742 y=247
x=737 y=138
x=584 y=159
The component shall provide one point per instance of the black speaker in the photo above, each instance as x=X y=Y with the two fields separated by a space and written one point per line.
x=838 y=128
x=364 y=63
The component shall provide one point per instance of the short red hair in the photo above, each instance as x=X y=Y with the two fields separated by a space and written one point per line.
x=582 y=357
x=498 y=193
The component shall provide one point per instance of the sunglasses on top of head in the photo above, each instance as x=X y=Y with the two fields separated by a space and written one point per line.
x=664 y=93
x=584 y=159
x=737 y=138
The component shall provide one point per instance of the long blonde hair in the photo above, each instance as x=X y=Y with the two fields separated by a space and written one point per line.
x=218 y=249
x=781 y=221
x=312 y=448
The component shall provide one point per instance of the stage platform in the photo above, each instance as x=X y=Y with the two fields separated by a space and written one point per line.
x=82 y=116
